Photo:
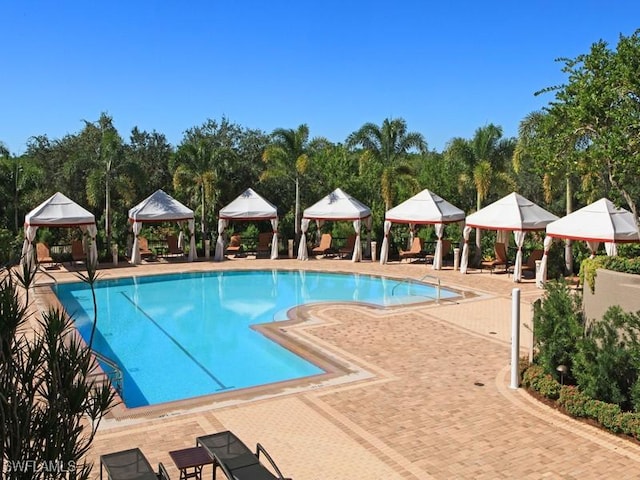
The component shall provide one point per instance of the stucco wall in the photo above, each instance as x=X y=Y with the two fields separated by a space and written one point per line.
x=611 y=288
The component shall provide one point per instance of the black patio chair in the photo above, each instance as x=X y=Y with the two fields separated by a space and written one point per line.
x=127 y=465
x=236 y=460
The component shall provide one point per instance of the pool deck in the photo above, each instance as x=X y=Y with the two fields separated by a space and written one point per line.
x=435 y=403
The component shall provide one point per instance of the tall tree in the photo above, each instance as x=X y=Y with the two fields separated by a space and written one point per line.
x=113 y=172
x=386 y=150
x=552 y=155
x=287 y=157
x=597 y=112
x=202 y=161
x=152 y=153
x=21 y=177
x=485 y=156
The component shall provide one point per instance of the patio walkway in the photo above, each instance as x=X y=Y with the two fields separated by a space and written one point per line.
x=435 y=403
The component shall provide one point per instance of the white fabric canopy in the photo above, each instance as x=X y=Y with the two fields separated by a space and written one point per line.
x=512 y=212
x=156 y=208
x=247 y=206
x=59 y=211
x=339 y=205
x=423 y=208
x=600 y=221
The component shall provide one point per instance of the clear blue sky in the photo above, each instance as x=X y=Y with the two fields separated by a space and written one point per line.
x=446 y=67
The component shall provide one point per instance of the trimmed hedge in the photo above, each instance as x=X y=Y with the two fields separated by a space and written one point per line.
x=577 y=404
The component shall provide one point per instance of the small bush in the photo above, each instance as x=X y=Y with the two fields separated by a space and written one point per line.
x=557 y=327
x=630 y=424
x=543 y=383
x=573 y=400
x=605 y=365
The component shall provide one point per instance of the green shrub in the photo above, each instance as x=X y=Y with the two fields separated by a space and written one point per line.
x=606 y=362
x=573 y=400
x=630 y=424
x=543 y=383
x=607 y=414
x=531 y=375
x=557 y=327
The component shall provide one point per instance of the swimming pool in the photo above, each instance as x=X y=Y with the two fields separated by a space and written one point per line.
x=186 y=335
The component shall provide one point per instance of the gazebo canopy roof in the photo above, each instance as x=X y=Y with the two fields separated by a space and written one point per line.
x=600 y=221
x=425 y=207
x=338 y=205
x=513 y=212
x=160 y=207
x=59 y=211
x=249 y=206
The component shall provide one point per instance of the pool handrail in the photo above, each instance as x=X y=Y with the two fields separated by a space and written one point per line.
x=421 y=279
x=117 y=378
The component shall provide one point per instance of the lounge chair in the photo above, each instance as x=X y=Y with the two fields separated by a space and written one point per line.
x=129 y=464
x=264 y=244
x=446 y=247
x=325 y=246
x=347 y=250
x=43 y=254
x=77 y=251
x=172 y=246
x=499 y=260
x=235 y=245
x=530 y=265
x=143 y=247
x=236 y=460
x=414 y=252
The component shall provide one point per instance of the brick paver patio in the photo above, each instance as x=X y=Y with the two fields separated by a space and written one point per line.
x=435 y=401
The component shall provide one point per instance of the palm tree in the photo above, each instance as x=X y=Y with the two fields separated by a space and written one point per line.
x=485 y=155
x=196 y=174
x=287 y=156
x=387 y=147
x=541 y=143
x=114 y=171
x=21 y=176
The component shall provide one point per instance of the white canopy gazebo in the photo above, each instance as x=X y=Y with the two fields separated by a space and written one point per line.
x=248 y=206
x=337 y=206
x=424 y=208
x=511 y=213
x=600 y=221
x=60 y=211
x=161 y=207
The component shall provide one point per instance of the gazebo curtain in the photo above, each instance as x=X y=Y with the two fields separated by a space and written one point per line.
x=27 y=246
x=464 y=262
x=437 y=257
x=541 y=276
x=92 y=232
x=302 y=248
x=519 y=236
x=384 y=250
x=274 y=241
x=611 y=248
x=193 y=253
x=219 y=254
x=357 y=248
x=135 y=254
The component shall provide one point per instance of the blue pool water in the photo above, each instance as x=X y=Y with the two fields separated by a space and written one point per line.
x=186 y=335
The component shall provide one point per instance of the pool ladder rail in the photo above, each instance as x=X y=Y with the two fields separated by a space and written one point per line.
x=114 y=376
x=422 y=280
